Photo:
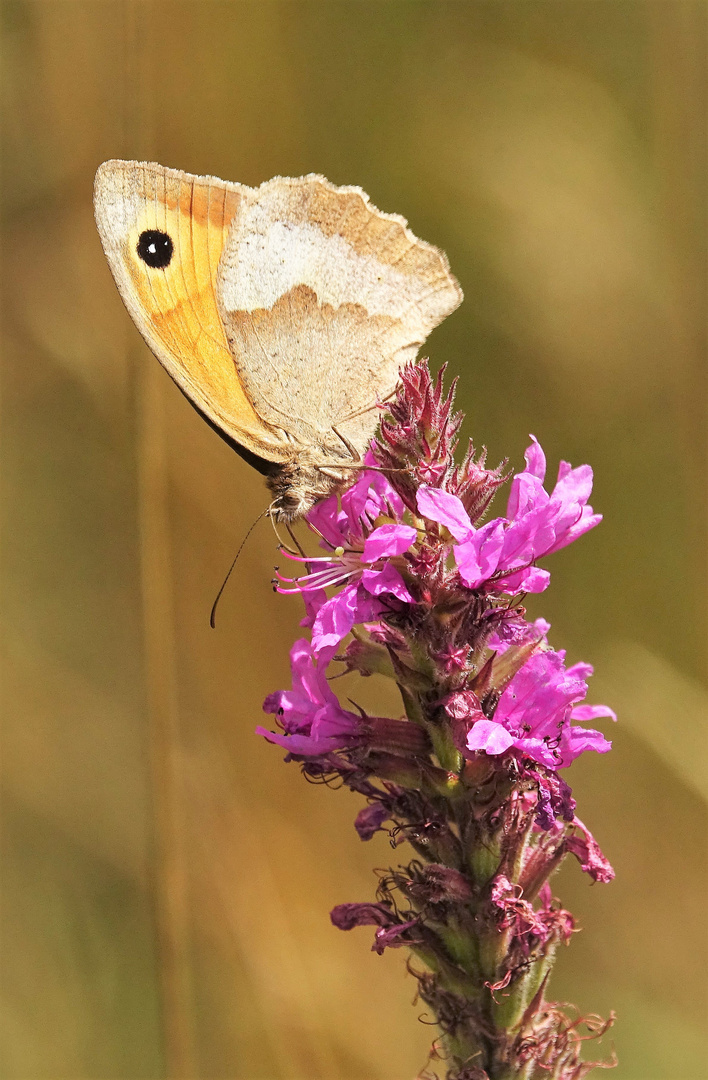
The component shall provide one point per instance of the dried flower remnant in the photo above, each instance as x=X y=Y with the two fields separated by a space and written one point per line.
x=411 y=584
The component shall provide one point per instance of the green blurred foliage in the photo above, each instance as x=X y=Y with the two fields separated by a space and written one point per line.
x=166 y=879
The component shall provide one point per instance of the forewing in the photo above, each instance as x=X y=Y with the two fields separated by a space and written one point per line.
x=175 y=306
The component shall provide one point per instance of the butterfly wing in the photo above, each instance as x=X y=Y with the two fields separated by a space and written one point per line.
x=180 y=224
x=324 y=298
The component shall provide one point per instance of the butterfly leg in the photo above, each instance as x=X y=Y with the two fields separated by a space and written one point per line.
x=374 y=405
x=365 y=409
x=294 y=539
x=327 y=469
x=357 y=462
x=356 y=456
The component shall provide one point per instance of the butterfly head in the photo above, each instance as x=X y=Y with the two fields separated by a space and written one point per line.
x=296 y=487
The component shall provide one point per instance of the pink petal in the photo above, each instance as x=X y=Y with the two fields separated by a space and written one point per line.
x=326 y=518
x=304 y=671
x=488 y=736
x=531 y=579
x=387 y=580
x=370 y=496
x=313 y=600
x=347 y=916
x=580 y=739
x=529 y=536
x=446 y=509
x=583 y=523
x=535 y=459
x=390 y=937
x=478 y=558
x=306 y=745
x=539 y=750
x=369 y=820
x=587 y=850
x=527 y=489
x=527 y=492
x=592 y=712
x=335 y=619
x=573 y=485
x=388 y=540
x=581 y=670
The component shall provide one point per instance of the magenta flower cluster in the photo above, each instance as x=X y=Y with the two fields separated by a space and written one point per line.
x=412 y=584
x=505 y=550
x=364 y=564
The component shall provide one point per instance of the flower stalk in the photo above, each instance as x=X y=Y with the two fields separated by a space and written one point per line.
x=413 y=585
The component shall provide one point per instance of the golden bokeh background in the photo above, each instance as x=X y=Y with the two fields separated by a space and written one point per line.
x=166 y=879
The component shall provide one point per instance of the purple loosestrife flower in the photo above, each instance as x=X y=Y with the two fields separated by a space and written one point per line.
x=411 y=585
x=359 y=560
x=535 y=711
x=501 y=554
x=392 y=933
x=312 y=719
x=531 y=926
x=587 y=851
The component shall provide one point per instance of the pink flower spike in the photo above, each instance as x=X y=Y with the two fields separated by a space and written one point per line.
x=387 y=541
x=490 y=737
x=445 y=509
x=469 y=767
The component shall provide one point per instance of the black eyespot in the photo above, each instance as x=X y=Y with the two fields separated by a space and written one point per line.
x=155 y=248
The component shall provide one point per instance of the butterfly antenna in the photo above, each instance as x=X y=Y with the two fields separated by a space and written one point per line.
x=212 y=617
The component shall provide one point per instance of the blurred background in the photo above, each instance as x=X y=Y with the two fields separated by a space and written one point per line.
x=166 y=879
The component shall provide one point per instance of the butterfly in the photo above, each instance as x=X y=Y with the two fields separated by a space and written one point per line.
x=284 y=312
